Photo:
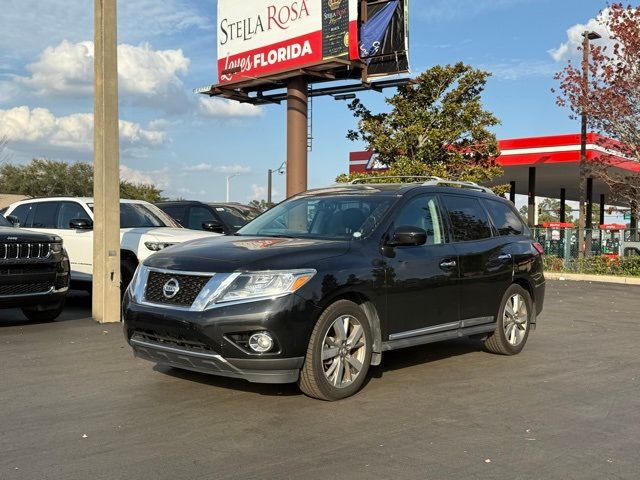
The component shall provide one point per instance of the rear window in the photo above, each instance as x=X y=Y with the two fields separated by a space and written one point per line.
x=469 y=220
x=505 y=219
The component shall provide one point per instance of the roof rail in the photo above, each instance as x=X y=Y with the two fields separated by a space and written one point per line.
x=372 y=179
x=436 y=181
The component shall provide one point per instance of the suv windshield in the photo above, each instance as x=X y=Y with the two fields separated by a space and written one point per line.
x=334 y=218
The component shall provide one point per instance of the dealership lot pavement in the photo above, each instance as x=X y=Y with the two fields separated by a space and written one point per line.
x=76 y=405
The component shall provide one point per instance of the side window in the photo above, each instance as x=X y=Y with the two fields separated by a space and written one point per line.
x=199 y=215
x=177 y=212
x=70 y=211
x=24 y=214
x=45 y=215
x=506 y=220
x=468 y=219
x=423 y=212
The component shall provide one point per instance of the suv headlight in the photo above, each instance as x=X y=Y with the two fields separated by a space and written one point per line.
x=157 y=246
x=260 y=285
x=56 y=247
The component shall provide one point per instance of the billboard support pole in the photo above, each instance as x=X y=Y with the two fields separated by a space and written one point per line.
x=297 y=114
x=106 y=176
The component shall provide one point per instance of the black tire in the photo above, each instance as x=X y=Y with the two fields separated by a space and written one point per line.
x=127 y=269
x=313 y=381
x=49 y=315
x=498 y=342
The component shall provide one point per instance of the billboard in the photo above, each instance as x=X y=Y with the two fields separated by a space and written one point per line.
x=384 y=37
x=258 y=38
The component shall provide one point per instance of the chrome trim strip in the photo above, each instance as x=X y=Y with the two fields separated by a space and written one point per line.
x=180 y=351
x=425 y=331
x=472 y=322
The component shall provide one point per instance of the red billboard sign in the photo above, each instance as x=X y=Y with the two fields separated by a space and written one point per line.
x=258 y=38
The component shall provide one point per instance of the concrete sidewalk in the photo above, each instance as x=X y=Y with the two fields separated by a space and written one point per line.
x=579 y=277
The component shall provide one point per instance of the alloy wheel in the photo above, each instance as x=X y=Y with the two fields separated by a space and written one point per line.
x=515 y=319
x=343 y=351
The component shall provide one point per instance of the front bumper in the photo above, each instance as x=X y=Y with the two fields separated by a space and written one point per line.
x=206 y=341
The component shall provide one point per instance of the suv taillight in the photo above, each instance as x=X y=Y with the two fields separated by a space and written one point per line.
x=539 y=248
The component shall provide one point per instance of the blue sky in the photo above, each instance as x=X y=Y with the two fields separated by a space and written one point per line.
x=187 y=145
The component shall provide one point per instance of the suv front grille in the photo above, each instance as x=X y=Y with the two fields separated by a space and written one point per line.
x=25 y=288
x=172 y=340
x=189 y=288
x=10 y=251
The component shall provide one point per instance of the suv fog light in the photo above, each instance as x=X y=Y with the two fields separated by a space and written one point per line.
x=261 y=342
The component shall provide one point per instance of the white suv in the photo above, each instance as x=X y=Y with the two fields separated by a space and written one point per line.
x=144 y=229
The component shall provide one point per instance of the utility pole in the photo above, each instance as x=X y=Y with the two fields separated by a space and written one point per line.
x=584 y=243
x=229 y=177
x=106 y=160
x=269 y=187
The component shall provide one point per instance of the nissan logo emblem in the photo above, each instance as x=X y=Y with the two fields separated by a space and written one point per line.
x=171 y=288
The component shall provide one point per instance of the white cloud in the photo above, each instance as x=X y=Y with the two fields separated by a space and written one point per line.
x=570 y=49
x=516 y=69
x=67 y=69
x=208 y=167
x=38 y=126
x=159 y=178
x=25 y=23
x=224 y=108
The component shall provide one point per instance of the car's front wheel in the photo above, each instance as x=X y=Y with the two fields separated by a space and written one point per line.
x=339 y=353
x=513 y=323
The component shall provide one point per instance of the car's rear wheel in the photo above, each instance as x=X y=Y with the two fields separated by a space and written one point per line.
x=49 y=314
x=339 y=353
x=513 y=324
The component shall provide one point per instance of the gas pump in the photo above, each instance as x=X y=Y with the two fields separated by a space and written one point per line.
x=610 y=239
x=558 y=236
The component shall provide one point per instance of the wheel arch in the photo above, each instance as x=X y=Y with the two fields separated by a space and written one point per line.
x=128 y=256
x=528 y=286
x=370 y=310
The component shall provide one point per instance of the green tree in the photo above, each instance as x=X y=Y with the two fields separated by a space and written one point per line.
x=261 y=205
x=437 y=126
x=45 y=178
x=549 y=211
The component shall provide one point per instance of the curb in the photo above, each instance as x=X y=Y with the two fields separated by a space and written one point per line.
x=577 y=277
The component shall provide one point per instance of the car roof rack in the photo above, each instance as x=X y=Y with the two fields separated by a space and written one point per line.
x=415 y=178
x=441 y=182
x=425 y=181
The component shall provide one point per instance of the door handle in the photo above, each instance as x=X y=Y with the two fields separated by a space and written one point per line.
x=506 y=256
x=447 y=264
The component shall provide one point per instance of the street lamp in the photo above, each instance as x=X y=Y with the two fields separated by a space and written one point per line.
x=229 y=177
x=585 y=203
x=279 y=170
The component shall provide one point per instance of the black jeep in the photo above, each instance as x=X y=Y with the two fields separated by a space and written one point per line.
x=34 y=272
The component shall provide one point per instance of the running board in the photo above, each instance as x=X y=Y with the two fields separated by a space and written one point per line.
x=437 y=337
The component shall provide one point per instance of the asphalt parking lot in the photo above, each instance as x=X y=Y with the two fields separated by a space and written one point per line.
x=75 y=404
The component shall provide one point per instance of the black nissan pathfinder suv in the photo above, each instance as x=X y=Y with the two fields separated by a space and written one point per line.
x=34 y=272
x=316 y=289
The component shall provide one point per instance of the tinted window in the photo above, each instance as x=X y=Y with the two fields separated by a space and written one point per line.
x=23 y=213
x=45 y=215
x=199 y=215
x=177 y=212
x=423 y=212
x=136 y=215
x=506 y=220
x=70 y=211
x=469 y=220
x=4 y=222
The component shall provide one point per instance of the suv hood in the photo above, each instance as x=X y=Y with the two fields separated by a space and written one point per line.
x=16 y=235
x=168 y=234
x=232 y=253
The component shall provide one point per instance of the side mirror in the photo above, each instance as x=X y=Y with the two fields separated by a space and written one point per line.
x=81 y=224
x=212 y=226
x=408 y=236
x=13 y=220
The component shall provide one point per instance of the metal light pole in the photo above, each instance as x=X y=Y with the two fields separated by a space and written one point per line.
x=106 y=177
x=584 y=241
x=229 y=177
x=280 y=170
